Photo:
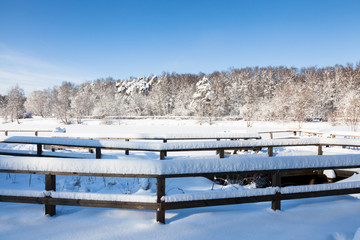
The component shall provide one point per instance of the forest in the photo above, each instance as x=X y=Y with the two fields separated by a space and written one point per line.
x=251 y=93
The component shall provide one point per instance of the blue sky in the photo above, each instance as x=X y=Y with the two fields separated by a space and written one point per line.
x=43 y=43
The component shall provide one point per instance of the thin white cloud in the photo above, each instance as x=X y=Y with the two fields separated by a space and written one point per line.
x=31 y=73
x=30 y=81
x=32 y=77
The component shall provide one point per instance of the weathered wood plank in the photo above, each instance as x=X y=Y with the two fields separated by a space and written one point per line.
x=38 y=149
x=127 y=152
x=81 y=173
x=270 y=151
x=160 y=193
x=50 y=185
x=320 y=151
x=79 y=202
x=165 y=141
x=221 y=153
x=162 y=155
x=276 y=182
x=98 y=153
x=217 y=202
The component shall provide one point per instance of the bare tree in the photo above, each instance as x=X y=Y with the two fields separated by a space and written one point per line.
x=262 y=93
x=249 y=113
x=62 y=102
x=105 y=101
x=349 y=109
x=39 y=103
x=14 y=108
x=82 y=102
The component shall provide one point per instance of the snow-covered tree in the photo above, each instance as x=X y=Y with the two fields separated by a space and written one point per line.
x=249 y=113
x=349 y=109
x=202 y=98
x=279 y=93
x=81 y=103
x=221 y=101
x=14 y=104
x=132 y=86
x=39 y=103
x=62 y=102
x=105 y=98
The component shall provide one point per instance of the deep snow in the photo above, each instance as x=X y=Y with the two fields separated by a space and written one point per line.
x=316 y=218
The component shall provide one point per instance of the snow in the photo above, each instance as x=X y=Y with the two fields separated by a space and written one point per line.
x=176 y=166
x=59 y=130
x=260 y=192
x=340 y=141
x=169 y=136
x=204 y=91
x=329 y=218
x=103 y=143
x=220 y=195
x=178 y=145
x=81 y=196
x=136 y=85
x=345 y=133
x=182 y=145
x=330 y=174
x=320 y=187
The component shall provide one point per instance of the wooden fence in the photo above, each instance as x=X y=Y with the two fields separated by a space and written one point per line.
x=166 y=137
x=162 y=170
x=36 y=132
x=163 y=148
x=294 y=133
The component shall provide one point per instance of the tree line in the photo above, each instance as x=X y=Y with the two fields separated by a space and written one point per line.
x=251 y=93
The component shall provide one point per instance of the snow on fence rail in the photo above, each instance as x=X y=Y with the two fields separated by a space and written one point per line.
x=165 y=137
x=294 y=133
x=163 y=148
x=161 y=170
x=36 y=132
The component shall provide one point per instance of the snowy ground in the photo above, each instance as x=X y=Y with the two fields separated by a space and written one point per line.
x=317 y=218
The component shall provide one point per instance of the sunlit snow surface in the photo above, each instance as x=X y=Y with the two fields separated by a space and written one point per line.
x=314 y=218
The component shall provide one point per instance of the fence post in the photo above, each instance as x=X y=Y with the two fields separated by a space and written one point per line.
x=276 y=182
x=98 y=153
x=320 y=152
x=162 y=155
x=217 y=151
x=270 y=151
x=50 y=185
x=160 y=192
x=127 y=151
x=165 y=141
x=221 y=153
x=39 y=149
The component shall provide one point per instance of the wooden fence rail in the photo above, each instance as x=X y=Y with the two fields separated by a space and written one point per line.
x=168 y=137
x=161 y=170
x=36 y=132
x=163 y=148
x=294 y=133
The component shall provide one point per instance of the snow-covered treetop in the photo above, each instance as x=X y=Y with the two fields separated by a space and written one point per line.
x=204 y=90
x=136 y=85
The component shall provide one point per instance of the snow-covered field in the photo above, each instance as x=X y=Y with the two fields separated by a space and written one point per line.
x=315 y=218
